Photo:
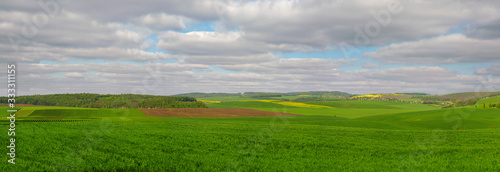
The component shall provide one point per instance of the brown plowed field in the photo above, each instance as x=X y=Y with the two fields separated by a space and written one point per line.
x=211 y=112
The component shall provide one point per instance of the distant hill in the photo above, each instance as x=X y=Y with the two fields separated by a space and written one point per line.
x=266 y=94
x=320 y=93
x=86 y=100
x=461 y=99
x=414 y=94
x=201 y=95
x=462 y=96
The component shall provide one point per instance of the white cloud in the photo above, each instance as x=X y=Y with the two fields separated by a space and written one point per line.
x=217 y=43
x=74 y=75
x=289 y=66
x=229 y=60
x=370 y=65
x=162 y=21
x=220 y=48
x=207 y=43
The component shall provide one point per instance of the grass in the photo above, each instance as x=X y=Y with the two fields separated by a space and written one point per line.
x=65 y=113
x=347 y=109
x=373 y=104
x=291 y=98
x=454 y=118
x=3 y=110
x=350 y=136
x=487 y=101
x=411 y=100
x=315 y=143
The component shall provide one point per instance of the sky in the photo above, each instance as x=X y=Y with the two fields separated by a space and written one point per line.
x=180 y=46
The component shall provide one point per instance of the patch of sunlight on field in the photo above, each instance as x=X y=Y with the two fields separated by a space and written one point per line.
x=24 y=113
x=294 y=104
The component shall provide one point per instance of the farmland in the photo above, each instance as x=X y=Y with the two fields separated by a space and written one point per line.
x=215 y=112
x=487 y=101
x=344 y=135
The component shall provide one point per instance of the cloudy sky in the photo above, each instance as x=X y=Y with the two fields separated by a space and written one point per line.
x=166 y=47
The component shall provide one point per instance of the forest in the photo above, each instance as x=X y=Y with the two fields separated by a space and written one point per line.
x=87 y=100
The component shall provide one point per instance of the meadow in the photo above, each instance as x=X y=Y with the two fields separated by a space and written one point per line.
x=488 y=101
x=351 y=135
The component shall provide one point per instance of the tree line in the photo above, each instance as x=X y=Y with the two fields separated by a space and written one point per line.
x=87 y=100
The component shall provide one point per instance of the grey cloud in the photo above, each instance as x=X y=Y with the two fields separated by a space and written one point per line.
x=39 y=52
x=162 y=21
x=115 y=67
x=294 y=65
x=119 y=30
x=321 y=24
x=419 y=75
x=178 y=78
x=455 y=48
x=488 y=30
x=494 y=70
x=370 y=65
x=229 y=60
x=67 y=30
x=209 y=43
x=123 y=10
x=66 y=36
x=239 y=77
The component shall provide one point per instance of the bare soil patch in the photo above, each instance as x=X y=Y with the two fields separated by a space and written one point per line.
x=211 y=112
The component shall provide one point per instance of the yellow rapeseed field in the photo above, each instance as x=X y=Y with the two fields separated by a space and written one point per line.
x=295 y=104
x=373 y=95
x=209 y=101
x=376 y=95
x=267 y=100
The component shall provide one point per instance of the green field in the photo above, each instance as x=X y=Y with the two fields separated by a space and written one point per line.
x=347 y=109
x=487 y=101
x=349 y=136
x=411 y=100
x=226 y=99
x=3 y=110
